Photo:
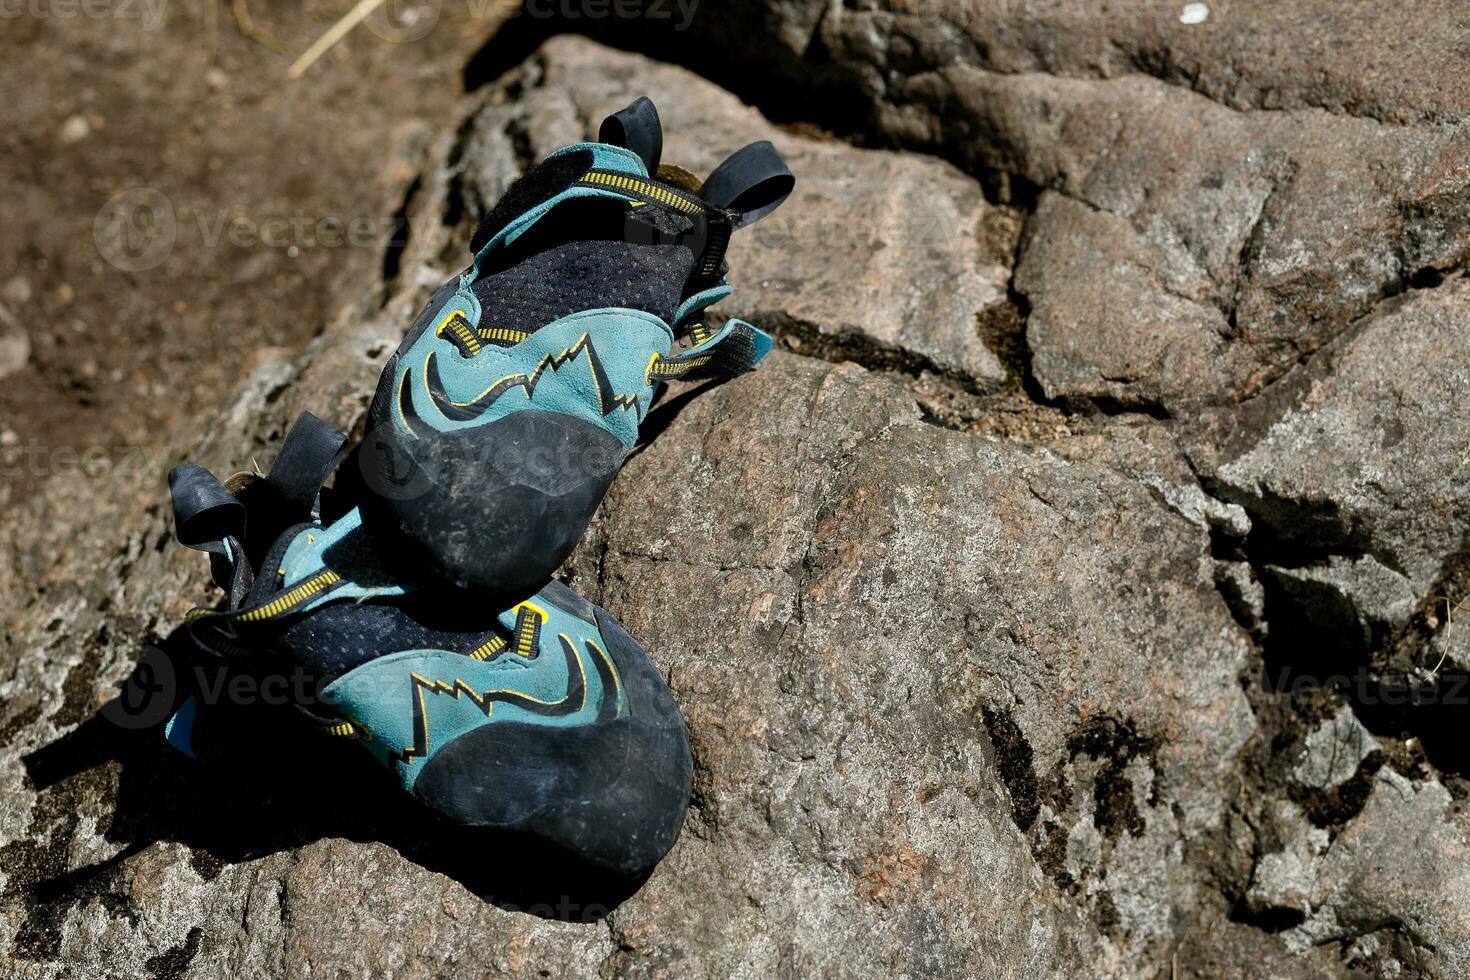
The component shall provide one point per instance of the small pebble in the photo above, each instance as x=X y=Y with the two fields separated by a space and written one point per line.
x=15 y=351
x=75 y=129
x=216 y=78
x=1194 y=13
x=17 y=290
x=9 y=438
x=65 y=294
x=254 y=267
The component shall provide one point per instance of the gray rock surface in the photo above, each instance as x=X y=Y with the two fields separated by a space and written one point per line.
x=1332 y=752
x=973 y=673
x=1286 y=876
x=1288 y=208
x=1355 y=893
x=1369 y=464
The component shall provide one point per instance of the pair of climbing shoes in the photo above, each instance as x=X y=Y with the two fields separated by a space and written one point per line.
x=417 y=593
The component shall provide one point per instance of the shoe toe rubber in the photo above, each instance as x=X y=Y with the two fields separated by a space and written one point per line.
x=613 y=793
x=500 y=506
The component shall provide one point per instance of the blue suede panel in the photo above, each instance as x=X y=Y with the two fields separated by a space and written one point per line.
x=700 y=300
x=624 y=341
x=422 y=699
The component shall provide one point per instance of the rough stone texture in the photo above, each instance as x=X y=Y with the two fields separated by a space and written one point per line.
x=15 y=344
x=1368 y=468
x=1332 y=752
x=1174 y=286
x=1401 y=825
x=1285 y=877
x=1351 y=59
x=1268 y=234
x=1000 y=582
x=966 y=697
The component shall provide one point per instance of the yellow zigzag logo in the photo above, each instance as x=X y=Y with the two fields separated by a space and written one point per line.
x=607 y=401
x=570 y=703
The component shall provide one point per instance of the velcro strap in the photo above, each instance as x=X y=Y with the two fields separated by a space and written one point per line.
x=207 y=517
x=752 y=182
x=223 y=632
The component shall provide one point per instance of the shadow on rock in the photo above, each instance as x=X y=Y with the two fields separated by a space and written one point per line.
x=266 y=781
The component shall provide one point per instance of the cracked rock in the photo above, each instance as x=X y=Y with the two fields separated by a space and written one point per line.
x=1352 y=602
x=1286 y=877
x=1199 y=281
x=1331 y=752
x=1401 y=863
x=1224 y=218
x=1369 y=464
x=1247 y=598
x=1060 y=595
x=959 y=706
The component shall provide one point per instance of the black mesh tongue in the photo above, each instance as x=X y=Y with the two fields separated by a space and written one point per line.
x=538 y=184
x=635 y=128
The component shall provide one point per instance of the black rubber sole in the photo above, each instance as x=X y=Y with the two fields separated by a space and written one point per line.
x=496 y=507
x=499 y=506
x=613 y=794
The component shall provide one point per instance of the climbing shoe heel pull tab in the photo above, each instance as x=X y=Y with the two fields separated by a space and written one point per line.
x=636 y=128
x=208 y=518
x=734 y=350
x=205 y=513
x=752 y=182
x=308 y=456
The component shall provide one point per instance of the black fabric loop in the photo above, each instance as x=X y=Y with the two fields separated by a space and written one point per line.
x=205 y=513
x=636 y=128
x=309 y=454
x=752 y=182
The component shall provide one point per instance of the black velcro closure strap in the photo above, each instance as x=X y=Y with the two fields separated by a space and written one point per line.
x=205 y=513
x=311 y=451
x=636 y=128
x=752 y=182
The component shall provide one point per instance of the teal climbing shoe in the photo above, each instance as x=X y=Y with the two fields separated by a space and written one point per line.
x=539 y=715
x=503 y=417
